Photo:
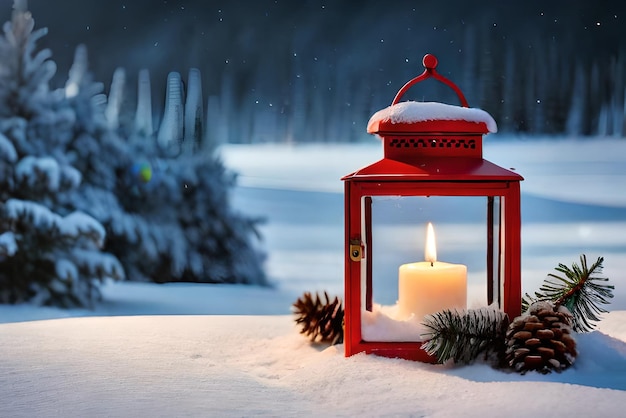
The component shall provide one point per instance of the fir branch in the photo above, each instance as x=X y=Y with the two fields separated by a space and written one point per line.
x=463 y=335
x=579 y=289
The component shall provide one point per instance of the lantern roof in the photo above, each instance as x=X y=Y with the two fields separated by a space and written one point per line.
x=433 y=169
x=411 y=117
x=431 y=141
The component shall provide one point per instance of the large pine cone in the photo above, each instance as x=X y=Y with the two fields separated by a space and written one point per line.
x=321 y=321
x=541 y=339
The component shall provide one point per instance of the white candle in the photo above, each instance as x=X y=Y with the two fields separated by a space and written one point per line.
x=431 y=286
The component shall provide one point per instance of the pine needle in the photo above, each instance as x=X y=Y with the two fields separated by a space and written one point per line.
x=463 y=335
x=579 y=289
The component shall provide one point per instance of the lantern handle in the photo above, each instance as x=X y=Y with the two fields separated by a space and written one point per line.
x=430 y=63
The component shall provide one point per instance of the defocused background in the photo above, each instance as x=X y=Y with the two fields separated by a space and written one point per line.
x=307 y=71
x=310 y=73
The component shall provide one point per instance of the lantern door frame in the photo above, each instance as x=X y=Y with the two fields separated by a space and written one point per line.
x=358 y=227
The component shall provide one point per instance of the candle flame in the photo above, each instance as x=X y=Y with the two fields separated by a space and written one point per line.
x=430 y=253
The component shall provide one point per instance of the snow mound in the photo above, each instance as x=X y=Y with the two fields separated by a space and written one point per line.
x=412 y=112
x=240 y=365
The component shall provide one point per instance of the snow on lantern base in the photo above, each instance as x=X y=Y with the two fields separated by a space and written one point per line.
x=383 y=324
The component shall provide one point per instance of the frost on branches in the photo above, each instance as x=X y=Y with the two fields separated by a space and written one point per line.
x=163 y=200
x=49 y=253
x=85 y=197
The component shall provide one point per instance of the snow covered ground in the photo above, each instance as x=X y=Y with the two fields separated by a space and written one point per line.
x=206 y=350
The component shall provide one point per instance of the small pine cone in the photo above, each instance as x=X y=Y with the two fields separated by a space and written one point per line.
x=320 y=321
x=541 y=339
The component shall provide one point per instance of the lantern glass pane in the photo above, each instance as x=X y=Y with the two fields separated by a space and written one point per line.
x=462 y=226
x=495 y=247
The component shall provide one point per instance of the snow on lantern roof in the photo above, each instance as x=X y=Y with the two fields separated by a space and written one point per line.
x=416 y=113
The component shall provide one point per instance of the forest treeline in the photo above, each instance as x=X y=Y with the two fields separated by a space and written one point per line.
x=316 y=71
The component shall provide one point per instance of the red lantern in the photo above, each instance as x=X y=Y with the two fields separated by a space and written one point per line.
x=433 y=161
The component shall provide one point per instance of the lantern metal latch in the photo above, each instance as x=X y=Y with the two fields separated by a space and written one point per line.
x=356 y=250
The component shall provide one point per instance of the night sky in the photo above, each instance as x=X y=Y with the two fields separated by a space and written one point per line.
x=265 y=46
x=178 y=34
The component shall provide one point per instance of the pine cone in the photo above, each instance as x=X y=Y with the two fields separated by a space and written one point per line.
x=320 y=321
x=541 y=339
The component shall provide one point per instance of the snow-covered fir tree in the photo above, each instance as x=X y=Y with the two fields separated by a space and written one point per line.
x=49 y=252
x=166 y=212
x=74 y=184
x=178 y=191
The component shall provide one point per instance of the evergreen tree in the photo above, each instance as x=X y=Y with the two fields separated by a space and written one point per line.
x=166 y=212
x=49 y=253
x=221 y=240
x=170 y=136
x=178 y=205
x=143 y=115
x=194 y=113
x=114 y=102
x=70 y=178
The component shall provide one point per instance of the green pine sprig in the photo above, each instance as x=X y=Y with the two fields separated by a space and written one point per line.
x=579 y=289
x=463 y=335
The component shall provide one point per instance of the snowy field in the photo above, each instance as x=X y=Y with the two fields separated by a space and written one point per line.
x=205 y=350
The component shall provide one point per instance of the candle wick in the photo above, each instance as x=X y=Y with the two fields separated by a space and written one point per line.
x=432 y=264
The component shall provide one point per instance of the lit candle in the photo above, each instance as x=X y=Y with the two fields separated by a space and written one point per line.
x=431 y=286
